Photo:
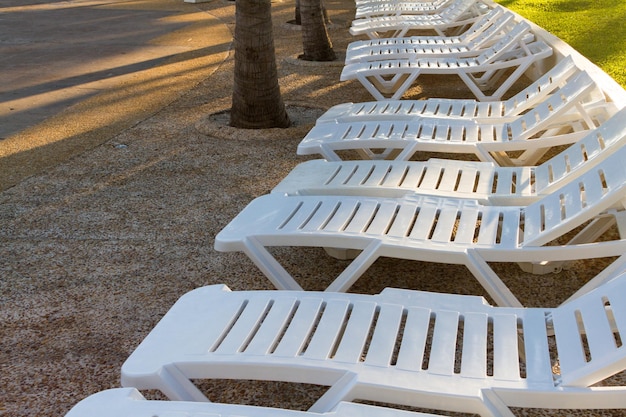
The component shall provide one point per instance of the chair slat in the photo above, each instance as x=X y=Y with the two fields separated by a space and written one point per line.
x=341 y=216
x=474 y=353
x=244 y=328
x=445 y=335
x=292 y=342
x=327 y=331
x=536 y=350
x=400 y=221
x=505 y=347
x=414 y=338
x=273 y=324
x=395 y=175
x=318 y=217
x=446 y=224
x=468 y=223
x=357 y=329
x=510 y=229
x=489 y=226
x=567 y=334
x=362 y=217
x=597 y=329
x=383 y=218
x=382 y=345
x=425 y=221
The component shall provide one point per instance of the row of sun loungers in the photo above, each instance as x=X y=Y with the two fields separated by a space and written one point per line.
x=422 y=227
x=489 y=70
x=550 y=165
x=558 y=120
x=485 y=32
x=488 y=183
x=481 y=111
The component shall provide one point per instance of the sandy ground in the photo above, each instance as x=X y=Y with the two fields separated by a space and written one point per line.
x=96 y=248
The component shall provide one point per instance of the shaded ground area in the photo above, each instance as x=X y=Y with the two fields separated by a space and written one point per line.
x=77 y=72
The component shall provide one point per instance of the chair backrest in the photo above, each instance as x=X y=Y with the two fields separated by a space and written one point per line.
x=505 y=44
x=485 y=22
x=498 y=25
x=545 y=113
x=542 y=87
x=457 y=9
x=590 y=333
x=599 y=143
x=593 y=192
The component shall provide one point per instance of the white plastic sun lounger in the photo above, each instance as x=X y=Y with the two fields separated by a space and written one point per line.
x=483 y=181
x=401 y=347
x=129 y=402
x=496 y=68
x=485 y=22
x=560 y=119
x=494 y=28
x=460 y=15
x=372 y=8
x=438 y=229
x=481 y=111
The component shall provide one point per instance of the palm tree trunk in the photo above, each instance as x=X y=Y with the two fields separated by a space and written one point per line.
x=298 y=19
x=257 y=102
x=315 y=40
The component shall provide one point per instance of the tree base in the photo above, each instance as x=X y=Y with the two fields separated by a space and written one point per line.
x=303 y=118
x=327 y=57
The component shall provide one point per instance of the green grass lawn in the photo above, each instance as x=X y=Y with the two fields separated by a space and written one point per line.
x=595 y=28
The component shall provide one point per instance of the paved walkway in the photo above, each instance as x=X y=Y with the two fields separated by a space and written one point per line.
x=75 y=72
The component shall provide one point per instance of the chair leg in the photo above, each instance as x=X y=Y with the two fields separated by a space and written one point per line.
x=472 y=85
x=494 y=406
x=278 y=275
x=339 y=391
x=357 y=267
x=178 y=387
x=377 y=86
x=509 y=81
x=490 y=281
x=387 y=154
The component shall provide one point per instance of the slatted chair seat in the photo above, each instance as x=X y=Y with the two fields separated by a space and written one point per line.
x=496 y=68
x=484 y=181
x=437 y=229
x=400 y=347
x=560 y=119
